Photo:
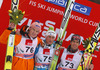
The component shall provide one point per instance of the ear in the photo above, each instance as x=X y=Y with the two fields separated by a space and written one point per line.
x=70 y=42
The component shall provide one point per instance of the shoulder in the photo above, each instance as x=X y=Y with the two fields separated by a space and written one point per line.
x=54 y=44
x=65 y=50
x=39 y=38
x=80 y=52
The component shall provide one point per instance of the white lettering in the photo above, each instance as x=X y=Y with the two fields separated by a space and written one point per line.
x=61 y=2
x=69 y=37
x=77 y=18
x=85 y=21
x=92 y=23
x=57 y=32
x=1 y=1
x=84 y=10
x=51 y=0
x=22 y=21
x=54 y=10
x=29 y=22
x=32 y=3
x=48 y=23
x=78 y=8
x=75 y=7
x=41 y=6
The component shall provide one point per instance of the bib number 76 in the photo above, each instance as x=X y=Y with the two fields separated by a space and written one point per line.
x=29 y=49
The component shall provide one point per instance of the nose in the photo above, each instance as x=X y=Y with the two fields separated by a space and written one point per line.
x=34 y=31
x=75 y=43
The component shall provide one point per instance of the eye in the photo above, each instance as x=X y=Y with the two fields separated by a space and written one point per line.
x=49 y=36
x=73 y=41
x=37 y=31
x=53 y=37
x=33 y=29
x=77 y=42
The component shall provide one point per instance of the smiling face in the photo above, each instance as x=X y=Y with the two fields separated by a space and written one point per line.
x=74 y=44
x=34 y=29
x=33 y=32
x=50 y=39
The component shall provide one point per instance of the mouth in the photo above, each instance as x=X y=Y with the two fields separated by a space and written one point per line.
x=32 y=33
x=74 y=46
x=50 y=42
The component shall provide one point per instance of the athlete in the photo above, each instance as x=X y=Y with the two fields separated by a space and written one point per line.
x=44 y=55
x=25 y=45
x=71 y=56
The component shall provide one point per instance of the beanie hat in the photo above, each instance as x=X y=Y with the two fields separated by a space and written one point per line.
x=76 y=37
x=35 y=25
x=51 y=32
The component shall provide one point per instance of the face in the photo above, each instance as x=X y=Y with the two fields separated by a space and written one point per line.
x=33 y=32
x=74 y=44
x=50 y=39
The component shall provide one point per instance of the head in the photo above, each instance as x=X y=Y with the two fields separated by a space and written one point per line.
x=34 y=29
x=75 y=42
x=50 y=36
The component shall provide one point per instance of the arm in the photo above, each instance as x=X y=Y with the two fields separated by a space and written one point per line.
x=41 y=42
x=4 y=36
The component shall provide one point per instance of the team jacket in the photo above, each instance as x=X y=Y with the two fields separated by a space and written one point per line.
x=24 y=50
x=43 y=57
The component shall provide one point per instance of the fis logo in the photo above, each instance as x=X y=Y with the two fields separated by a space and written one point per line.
x=46 y=51
x=28 y=42
x=69 y=57
x=1 y=1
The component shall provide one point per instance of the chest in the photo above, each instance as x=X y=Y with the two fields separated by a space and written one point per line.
x=44 y=55
x=70 y=60
x=26 y=45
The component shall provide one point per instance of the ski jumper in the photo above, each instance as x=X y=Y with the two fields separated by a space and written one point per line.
x=43 y=56
x=23 y=52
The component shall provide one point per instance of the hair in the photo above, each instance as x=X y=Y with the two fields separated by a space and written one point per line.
x=76 y=37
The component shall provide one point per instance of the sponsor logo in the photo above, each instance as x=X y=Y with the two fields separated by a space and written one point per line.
x=82 y=9
x=69 y=57
x=28 y=42
x=77 y=7
x=46 y=51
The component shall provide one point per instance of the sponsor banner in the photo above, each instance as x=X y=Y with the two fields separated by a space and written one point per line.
x=50 y=15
